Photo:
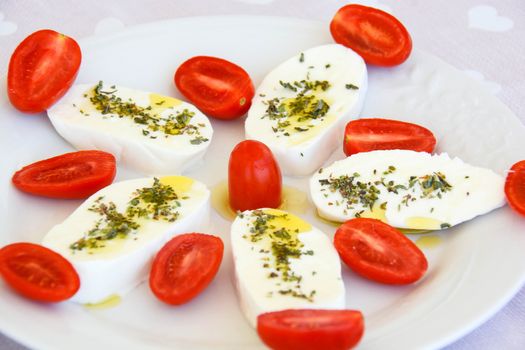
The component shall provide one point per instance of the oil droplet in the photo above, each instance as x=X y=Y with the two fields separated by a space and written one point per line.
x=328 y=222
x=284 y=219
x=421 y=223
x=111 y=301
x=430 y=241
x=413 y=231
x=180 y=184
x=293 y=200
x=163 y=102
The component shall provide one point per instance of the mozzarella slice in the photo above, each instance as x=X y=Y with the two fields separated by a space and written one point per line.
x=151 y=133
x=112 y=237
x=406 y=189
x=283 y=262
x=300 y=109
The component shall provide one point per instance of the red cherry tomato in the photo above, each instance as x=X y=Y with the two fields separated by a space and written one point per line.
x=379 y=252
x=185 y=266
x=515 y=187
x=41 y=70
x=219 y=88
x=37 y=272
x=254 y=177
x=71 y=175
x=374 y=34
x=365 y=135
x=311 y=329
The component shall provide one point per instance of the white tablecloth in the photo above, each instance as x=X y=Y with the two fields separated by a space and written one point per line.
x=485 y=38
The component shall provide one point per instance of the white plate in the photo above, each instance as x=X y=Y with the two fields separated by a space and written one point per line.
x=473 y=273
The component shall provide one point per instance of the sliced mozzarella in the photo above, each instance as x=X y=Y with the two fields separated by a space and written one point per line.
x=283 y=262
x=116 y=265
x=406 y=189
x=316 y=130
x=143 y=130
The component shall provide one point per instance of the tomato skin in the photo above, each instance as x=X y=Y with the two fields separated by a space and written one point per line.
x=375 y=35
x=41 y=70
x=219 y=88
x=365 y=135
x=311 y=329
x=38 y=273
x=185 y=266
x=73 y=175
x=515 y=187
x=379 y=252
x=254 y=177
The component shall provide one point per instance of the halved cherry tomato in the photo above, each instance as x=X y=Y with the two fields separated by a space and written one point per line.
x=219 y=88
x=254 y=177
x=185 y=266
x=379 y=252
x=375 y=35
x=71 y=175
x=365 y=135
x=41 y=70
x=515 y=187
x=38 y=273
x=310 y=329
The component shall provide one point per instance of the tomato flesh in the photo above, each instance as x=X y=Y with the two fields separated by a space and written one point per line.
x=219 y=88
x=375 y=35
x=42 y=68
x=379 y=252
x=71 y=175
x=310 y=329
x=515 y=187
x=185 y=266
x=38 y=273
x=365 y=135
x=254 y=177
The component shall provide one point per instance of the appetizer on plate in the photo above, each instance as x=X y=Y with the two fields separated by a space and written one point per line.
x=282 y=262
x=112 y=237
x=301 y=108
x=406 y=189
x=155 y=134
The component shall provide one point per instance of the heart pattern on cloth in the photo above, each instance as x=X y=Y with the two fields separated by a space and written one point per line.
x=492 y=86
x=6 y=27
x=486 y=18
x=108 y=25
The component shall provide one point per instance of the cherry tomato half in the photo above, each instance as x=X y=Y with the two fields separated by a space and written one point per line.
x=254 y=177
x=41 y=70
x=310 y=329
x=365 y=135
x=379 y=252
x=37 y=272
x=219 y=88
x=515 y=187
x=185 y=266
x=374 y=34
x=71 y=175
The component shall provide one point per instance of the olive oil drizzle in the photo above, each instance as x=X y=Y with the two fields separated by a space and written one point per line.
x=179 y=123
x=158 y=202
x=366 y=194
x=284 y=246
x=304 y=107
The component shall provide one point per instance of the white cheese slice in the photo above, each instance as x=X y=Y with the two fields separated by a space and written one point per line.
x=302 y=128
x=282 y=262
x=145 y=131
x=115 y=266
x=406 y=189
